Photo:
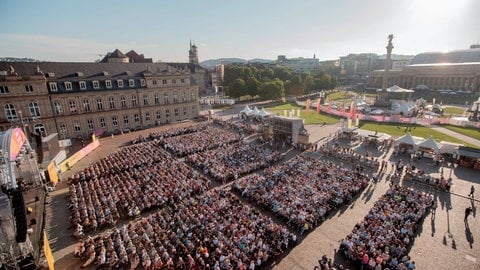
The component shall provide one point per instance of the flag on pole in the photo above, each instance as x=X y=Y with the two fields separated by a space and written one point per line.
x=307 y=106
x=318 y=105
x=353 y=110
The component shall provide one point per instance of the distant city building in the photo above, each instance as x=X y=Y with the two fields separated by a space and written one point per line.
x=134 y=57
x=199 y=75
x=300 y=64
x=115 y=57
x=78 y=99
x=358 y=66
x=217 y=78
x=456 y=70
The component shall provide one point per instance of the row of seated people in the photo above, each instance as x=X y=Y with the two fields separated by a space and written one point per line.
x=350 y=155
x=208 y=138
x=243 y=126
x=171 y=132
x=385 y=235
x=303 y=190
x=234 y=160
x=133 y=156
x=137 y=190
x=192 y=235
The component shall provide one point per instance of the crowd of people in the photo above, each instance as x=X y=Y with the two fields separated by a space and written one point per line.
x=349 y=154
x=192 y=235
x=234 y=160
x=141 y=177
x=206 y=139
x=383 y=238
x=303 y=190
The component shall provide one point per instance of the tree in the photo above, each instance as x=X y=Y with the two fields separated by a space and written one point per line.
x=308 y=83
x=296 y=86
x=283 y=73
x=272 y=90
x=252 y=86
x=236 y=89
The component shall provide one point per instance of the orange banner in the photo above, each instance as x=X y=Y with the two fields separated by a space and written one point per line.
x=52 y=173
x=307 y=104
x=48 y=252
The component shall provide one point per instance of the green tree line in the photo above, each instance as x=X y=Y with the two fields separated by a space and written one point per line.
x=273 y=82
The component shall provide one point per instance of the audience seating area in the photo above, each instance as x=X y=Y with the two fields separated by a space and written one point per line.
x=192 y=235
x=385 y=235
x=302 y=191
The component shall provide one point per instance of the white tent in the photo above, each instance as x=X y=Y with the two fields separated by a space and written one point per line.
x=263 y=113
x=246 y=110
x=255 y=111
x=430 y=143
x=406 y=139
x=398 y=89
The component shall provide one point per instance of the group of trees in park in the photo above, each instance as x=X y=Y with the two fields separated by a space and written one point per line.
x=273 y=82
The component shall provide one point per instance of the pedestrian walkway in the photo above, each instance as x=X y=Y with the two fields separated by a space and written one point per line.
x=456 y=135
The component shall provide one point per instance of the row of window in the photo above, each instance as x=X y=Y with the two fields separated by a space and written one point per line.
x=95 y=84
x=108 y=84
x=12 y=113
x=4 y=89
x=77 y=127
x=72 y=105
x=34 y=109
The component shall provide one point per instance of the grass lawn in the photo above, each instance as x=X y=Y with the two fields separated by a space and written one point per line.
x=467 y=131
x=338 y=95
x=416 y=130
x=311 y=118
x=453 y=110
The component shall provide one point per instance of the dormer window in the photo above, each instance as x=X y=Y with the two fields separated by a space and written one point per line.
x=96 y=85
x=83 y=85
x=68 y=86
x=131 y=83
x=108 y=84
x=53 y=86
x=120 y=83
x=143 y=82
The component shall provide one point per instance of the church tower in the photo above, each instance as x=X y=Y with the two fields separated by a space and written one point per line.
x=193 y=54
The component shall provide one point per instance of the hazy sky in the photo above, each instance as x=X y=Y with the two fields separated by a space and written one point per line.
x=86 y=30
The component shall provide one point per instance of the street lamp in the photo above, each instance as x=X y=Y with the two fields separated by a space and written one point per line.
x=21 y=122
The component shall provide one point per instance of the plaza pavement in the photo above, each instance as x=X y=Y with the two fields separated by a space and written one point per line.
x=443 y=241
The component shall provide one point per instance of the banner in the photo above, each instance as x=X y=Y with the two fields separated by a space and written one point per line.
x=52 y=172
x=48 y=252
x=353 y=110
x=69 y=162
x=307 y=106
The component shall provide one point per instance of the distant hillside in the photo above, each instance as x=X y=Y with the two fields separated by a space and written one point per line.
x=16 y=59
x=211 y=63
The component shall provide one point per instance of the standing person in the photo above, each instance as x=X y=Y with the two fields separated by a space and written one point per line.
x=472 y=192
x=468 y=211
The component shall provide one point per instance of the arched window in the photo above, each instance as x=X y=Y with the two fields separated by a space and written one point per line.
x=39 y=129
x=57 y=108
x=10 y=111
x=34 y=109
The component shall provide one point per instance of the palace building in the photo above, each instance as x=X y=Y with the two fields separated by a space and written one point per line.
x=456 y=70
x=79 y=99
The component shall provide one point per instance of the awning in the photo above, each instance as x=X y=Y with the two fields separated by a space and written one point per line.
x=469 y=153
